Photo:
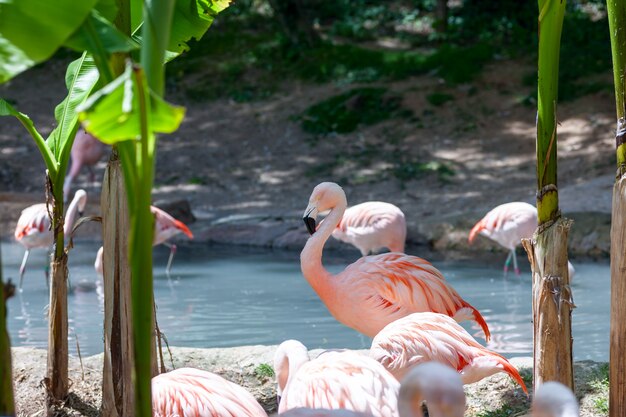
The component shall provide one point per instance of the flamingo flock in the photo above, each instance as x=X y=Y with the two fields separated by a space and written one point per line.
x=419 y=352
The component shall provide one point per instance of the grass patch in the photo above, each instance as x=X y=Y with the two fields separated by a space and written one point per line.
x=345 y=112
x=264 y=370
x=601 y=386
x=504 y=411
x=410 y=170
x=439 y=99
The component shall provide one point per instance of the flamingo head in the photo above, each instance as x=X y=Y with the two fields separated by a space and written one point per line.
x=289 y=357
x=438 y=384
x=554 y=399
x=81 y=198
x=325 y=196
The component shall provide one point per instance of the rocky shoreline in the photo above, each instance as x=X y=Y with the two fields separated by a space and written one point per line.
x=496 y=396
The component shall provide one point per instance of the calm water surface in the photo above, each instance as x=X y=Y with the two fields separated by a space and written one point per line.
x=221 y=297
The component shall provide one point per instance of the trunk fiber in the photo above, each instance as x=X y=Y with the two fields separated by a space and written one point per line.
x=117 y=386
x=552 y=303
x=57 y=379
x=617 y=356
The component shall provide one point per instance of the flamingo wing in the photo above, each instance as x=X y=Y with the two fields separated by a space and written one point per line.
x=423 y=337
x=396 y=285
x=34 y=225
x=188 y=392
x=343 y=380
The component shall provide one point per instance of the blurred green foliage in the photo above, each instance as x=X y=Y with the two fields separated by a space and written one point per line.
x=248 y=55
x=345 y=112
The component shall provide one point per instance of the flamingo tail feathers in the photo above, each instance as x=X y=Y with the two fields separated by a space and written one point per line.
x=183 y=228
x=478 y=227
x=512 y=371
x=470 y=313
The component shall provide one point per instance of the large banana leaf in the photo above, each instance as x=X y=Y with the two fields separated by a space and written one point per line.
x=98 y=35
x=113 y=114
x=81 y=77
x=192 y=18
x=36 y=28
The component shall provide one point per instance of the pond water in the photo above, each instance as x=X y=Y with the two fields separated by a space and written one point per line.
x=231 y=296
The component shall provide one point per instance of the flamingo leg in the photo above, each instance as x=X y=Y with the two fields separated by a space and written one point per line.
x=507 y=263
x=23 y=268
x=515 y=268
x=172 y=247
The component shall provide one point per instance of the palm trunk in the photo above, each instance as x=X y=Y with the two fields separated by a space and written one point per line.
x=117 y=386
x=7 y=404
x=57 y=376
x=547 y=251
x=617 y=360
x=552 y=304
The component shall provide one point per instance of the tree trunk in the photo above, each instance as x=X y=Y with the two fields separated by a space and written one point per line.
x=117 y=386
x=7 y=404
x=617 y=357
x=441 y=14
x=552 y=303
x=57 y=378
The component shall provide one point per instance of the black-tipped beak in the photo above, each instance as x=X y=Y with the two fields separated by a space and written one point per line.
x=310 y=224
x=80 y=214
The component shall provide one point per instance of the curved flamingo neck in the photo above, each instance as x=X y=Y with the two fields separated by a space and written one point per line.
x=311 y=257
x=70 y=216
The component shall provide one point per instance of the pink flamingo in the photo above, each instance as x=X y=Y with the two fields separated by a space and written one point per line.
x=165 y=227
x=424 y=337
x=553 y=399
x=372 y=226
x=439 y=385
x=33 y=227
x=508 y=224
x=375 y=290
x=87 y=151
x=334 y=380
x=188 y=392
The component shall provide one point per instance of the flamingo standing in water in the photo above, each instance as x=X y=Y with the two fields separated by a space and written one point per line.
x=508 y=224
x=86 y=151
x=424 y=337
x=188 y=392
x=378 y=289
x=372 y=226
x=554 y=399
x=439 y=385
x=165 y=227
x=334 y=380
x=33 y=227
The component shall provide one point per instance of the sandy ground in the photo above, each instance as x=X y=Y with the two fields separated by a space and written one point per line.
x=494 y=396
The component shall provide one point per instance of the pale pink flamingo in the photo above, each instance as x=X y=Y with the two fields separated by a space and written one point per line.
x=165 y=227
x=86 y=151
x=321 y=412
x=334 y=380
x=188 y=392
x=553 y=399
x=508 y=224
x=33 y=227
x=378 y=289
x=372 y=226
x=437 y=384
x=425 y=337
